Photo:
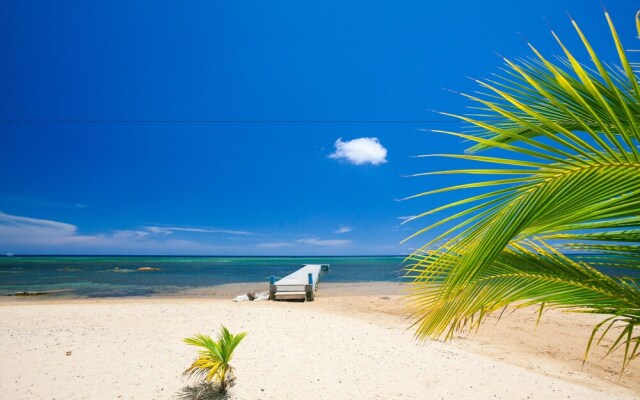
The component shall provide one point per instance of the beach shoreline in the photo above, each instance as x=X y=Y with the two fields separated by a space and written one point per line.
x=226 y=291
x=347 y=342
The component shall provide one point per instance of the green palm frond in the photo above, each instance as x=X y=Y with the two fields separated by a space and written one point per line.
x=571 y=182
x=630 y=235
x=539 y=98
x=214 y=357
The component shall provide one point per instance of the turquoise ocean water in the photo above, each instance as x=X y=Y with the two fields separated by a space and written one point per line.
x=118 y=276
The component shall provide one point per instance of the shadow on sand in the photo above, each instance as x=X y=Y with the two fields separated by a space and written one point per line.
x=201 y=391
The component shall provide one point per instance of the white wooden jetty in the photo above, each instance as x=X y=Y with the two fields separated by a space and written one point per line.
x=300 y=285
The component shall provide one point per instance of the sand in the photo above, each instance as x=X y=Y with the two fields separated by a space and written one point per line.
x=342 y=346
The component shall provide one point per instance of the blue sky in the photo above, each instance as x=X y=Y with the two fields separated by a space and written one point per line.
x=209 y=127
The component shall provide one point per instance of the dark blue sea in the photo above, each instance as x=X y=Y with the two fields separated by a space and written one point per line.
x=118 y=276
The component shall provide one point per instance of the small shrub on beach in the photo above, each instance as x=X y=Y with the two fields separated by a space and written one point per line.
x=214 y=356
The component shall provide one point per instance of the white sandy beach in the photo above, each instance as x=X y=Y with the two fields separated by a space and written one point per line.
x=338 y=347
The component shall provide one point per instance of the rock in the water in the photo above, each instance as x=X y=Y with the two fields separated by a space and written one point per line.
x=121 y=270
x=251 y=296
x=148 y=269
x=34 y=293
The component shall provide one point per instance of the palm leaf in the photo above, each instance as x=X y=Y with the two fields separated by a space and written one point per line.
x=214 y=357
x=572 y=132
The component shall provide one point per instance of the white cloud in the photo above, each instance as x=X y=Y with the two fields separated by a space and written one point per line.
x=273 y=245
x=167 y=230
x=29 y=235
x=343 y=229
x=325 y=242
x=14 y=228
x=130 y=234
x=26 y=235
x=360 y=151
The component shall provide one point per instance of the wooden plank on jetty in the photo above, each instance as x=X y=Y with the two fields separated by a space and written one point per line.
x=300 y=285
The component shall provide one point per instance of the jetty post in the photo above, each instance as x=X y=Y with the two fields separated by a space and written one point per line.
x=272 y=288
x=308 y=288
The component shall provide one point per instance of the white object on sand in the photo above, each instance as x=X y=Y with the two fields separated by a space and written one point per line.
x=258 y=296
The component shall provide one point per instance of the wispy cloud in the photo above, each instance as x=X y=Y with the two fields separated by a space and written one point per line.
x=129 y=234
x=18 y=233
x=343 y=229
x=167 y=230
x=273 y=245
x=15 y=228
x=365 y=150
x=41 y=203
x=22 y=234
x=325 y=242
